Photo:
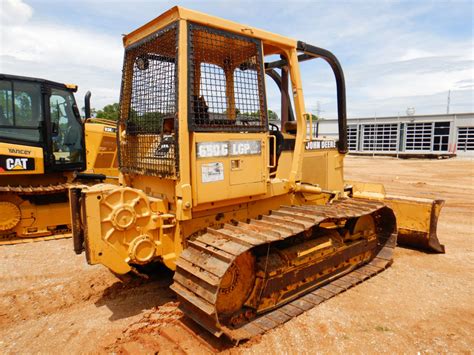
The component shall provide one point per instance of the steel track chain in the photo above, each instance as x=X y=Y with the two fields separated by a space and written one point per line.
x=206 y=259
x=35 y=190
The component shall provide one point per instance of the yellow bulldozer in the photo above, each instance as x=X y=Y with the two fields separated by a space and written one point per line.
x=256 y=220
x=45 y=148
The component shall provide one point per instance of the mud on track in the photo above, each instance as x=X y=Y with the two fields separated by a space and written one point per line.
x=52 y=301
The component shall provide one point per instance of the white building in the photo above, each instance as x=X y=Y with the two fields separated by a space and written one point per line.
x=448 y=134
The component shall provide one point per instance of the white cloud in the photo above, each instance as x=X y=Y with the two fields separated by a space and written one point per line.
x=14 y=12
x=58 y=45
x=415 y=53
x=390 y=60
x=61 y=53
x=392 y=56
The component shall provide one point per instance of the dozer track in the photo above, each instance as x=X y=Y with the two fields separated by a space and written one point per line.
x=10 y=238
x=34 y=190
x=246 y=278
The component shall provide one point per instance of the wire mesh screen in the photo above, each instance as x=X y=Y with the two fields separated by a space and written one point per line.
x=149 y=106
x=226 y=84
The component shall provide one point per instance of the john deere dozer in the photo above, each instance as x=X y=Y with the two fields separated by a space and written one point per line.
x=45 y=148
x=256 y=221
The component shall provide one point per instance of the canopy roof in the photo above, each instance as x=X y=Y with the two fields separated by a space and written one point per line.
x=272 y=43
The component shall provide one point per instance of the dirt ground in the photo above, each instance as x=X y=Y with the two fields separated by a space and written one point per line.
x=52 y=301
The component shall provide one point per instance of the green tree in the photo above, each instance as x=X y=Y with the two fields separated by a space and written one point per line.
x=110 y=112
x=23 y=110
x=272 y=116
x=316 y=117
x=93 y=112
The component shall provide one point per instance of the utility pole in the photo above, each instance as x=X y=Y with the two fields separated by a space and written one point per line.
x=449 y=102
x=318 y=109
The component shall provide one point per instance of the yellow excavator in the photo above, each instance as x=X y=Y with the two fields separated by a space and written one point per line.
x=45 y=148
x=256 y=220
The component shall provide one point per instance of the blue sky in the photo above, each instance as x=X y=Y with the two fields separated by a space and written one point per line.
x=395 y=54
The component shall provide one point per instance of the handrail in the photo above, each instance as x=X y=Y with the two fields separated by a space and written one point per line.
x=340 y=86
x=311 y=52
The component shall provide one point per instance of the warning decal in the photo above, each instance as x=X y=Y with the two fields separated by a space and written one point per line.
x=212 y=172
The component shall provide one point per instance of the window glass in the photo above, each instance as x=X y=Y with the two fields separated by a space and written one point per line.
x=20 y=110
x=6 y=103
x=65 y=127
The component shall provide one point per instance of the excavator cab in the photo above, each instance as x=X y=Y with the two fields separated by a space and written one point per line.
x=41 y=117
x=42 y=153
x=256 y=221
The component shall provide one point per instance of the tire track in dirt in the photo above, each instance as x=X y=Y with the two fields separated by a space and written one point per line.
x=165 y=330
x=51 y=300
x=48 y=296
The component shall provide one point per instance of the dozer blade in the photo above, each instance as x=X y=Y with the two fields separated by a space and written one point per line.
x=417 y=218
x=417 y=221
x=246 y=278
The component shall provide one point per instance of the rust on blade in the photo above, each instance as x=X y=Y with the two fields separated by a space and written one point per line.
x=417 y=231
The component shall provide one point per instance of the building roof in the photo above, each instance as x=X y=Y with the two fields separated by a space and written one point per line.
x=414 y=117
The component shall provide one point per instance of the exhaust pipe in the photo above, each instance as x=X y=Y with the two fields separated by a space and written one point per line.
x=87 y=105
x=77 y=229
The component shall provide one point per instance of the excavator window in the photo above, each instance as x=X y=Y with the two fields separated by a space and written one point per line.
x=225 y=82
x=20 y=110
x=66 y=129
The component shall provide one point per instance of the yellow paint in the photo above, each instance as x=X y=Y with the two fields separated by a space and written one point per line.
x=22 y=151
x=150 y=215
x=38 y=220
x=101 y=148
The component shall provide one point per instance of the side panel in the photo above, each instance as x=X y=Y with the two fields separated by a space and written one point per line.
x=227 y=166
x=323 y=166
x=101 y=148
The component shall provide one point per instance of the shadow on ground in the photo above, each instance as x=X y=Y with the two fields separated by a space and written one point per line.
x=133 y=294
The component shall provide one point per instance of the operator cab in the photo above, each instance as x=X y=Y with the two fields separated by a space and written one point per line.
x=194 y=110
x=42 y=113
